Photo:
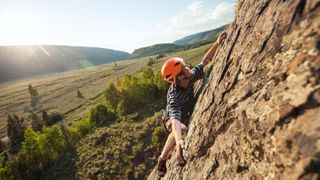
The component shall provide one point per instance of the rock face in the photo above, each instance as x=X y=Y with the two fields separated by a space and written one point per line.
x=259 y=115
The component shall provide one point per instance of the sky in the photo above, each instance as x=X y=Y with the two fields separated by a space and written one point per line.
x=116 y=24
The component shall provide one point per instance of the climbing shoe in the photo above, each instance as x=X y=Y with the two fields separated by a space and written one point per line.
x=161 y=167
x=181 y=161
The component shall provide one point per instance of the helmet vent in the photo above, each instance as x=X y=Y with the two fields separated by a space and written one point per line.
x=167 y=76
x=177 y=63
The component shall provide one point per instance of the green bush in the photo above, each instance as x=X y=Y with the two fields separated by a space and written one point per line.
x=39 y=151
x=52 y=143
x=100 y=115
x=15 y=129
x=158 y=136
x=112 y=95
x=81 y=128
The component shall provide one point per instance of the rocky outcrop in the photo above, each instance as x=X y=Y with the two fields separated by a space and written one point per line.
x=259 y=115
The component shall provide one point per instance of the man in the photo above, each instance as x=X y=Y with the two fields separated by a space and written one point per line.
x=180 y=101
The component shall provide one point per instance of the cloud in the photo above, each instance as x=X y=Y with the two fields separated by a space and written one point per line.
x=196 y=18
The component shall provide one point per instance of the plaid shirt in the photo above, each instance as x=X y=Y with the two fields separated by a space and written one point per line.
x=180 y=102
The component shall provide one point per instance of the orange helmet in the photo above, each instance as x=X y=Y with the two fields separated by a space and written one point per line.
x=171 y=68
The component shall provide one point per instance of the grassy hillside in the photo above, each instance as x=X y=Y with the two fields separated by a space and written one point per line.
x=156 y=49
x=125 y=149
x=17 y=62
x=202 y=37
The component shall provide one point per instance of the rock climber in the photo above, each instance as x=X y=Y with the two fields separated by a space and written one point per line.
x=180 y=102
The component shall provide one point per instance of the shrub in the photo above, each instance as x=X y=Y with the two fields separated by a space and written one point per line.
x=55 y=117
x=15 y=129
x=112 y=95
x=36 y=122
x=81 y=128
x=160 y=83
x=151 y=61
x=52 y=143
x=52 y=118
x=100 y=115
x=158 y=136
x=31 y=148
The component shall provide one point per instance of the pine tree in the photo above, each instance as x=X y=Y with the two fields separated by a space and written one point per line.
x=70 y=142
x=112 y=97
x=15 y=129
x=36 y=122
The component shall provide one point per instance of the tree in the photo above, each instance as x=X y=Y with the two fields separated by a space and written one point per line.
x=70 y=141
x=34 y=95
x=36 y=122
x=15 y=129
x=100 y=115
x=31 y=90
x=45 y=118
x=79 y=94
x=147 y=76
x=160 y=83
x=52 y=143
x=151 y=61
x=31 y=148
x=112 y=95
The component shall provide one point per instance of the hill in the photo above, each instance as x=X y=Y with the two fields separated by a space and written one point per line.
x=17 y=62
x=202 y=37
x=156 y=49
x=188 y=42
x=258 y=117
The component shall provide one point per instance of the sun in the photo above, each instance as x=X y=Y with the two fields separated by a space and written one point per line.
x=20 y=28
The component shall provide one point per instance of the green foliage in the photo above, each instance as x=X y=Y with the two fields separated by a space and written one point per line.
x=45 y=118
x=52 y=143
x=123 y=107
x=158 y=135
x=81 y=128
x=120 y=151
x=31 y=149
x=112 y=95
x=5 y=173
x=156 y=49
x=15 y=129
x=147 y=76
x=151 y=61
x=100 y=115
x=160 y=83
x=52 y=118
x=36 y=122
x=70 y=139
x=39 y=151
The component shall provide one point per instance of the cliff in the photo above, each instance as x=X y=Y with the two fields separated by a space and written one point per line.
x=259 y=115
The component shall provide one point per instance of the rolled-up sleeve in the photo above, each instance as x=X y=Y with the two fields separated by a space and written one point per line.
x=175 y=108
x=197 y=72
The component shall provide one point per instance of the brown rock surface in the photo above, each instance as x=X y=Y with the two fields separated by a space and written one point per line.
x=259 y=116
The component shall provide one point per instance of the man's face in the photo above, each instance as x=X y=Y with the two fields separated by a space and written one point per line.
x=183 y=78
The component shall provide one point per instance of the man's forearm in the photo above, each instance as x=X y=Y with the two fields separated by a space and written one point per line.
x=176 y=129
x=210 y=53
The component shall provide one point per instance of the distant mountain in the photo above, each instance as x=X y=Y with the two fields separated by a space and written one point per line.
x=188 y=42
x=17 y=62
x=156 y=49
x=200 y=38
